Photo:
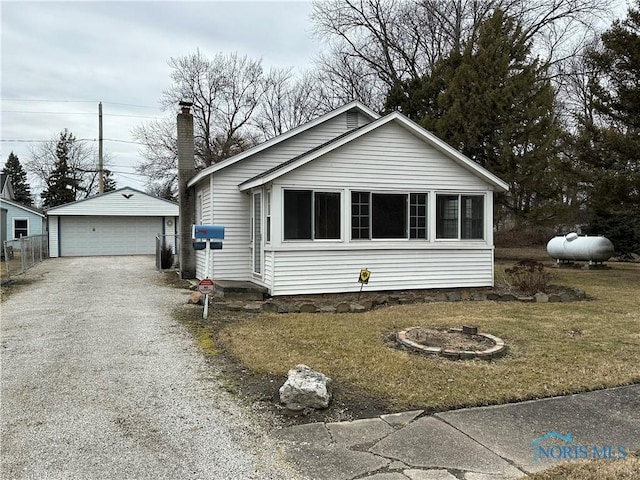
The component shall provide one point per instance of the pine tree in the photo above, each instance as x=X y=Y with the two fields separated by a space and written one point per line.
x=109 y=182
x=61 y=184
x=21 y=187
x=494 y=103
x=611 y=146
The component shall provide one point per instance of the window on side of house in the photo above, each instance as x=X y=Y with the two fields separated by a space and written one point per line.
x=460 y=217
x=310 y=215
x=268 y=217
x=20 y=227
x=388 y=215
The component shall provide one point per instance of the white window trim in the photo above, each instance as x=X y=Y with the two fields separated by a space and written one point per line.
x=460 y=194
x=408 y=194
x=313 y=191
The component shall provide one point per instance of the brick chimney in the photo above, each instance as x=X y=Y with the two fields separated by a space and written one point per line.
x=186 y=196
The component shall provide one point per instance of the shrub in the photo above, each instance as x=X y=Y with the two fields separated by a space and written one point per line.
x=529 y=276
x=166 y=257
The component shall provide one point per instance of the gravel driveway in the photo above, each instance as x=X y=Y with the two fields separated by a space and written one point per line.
x=99 y=382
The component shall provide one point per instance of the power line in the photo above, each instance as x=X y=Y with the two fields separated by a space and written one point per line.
x=77 y=113
x=42 y=100
x=77 y=140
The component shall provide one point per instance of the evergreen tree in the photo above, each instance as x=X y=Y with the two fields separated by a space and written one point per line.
x=21 y=187
x=495 y=104
x=61 y=184
x=611 y=142
x=109 y=182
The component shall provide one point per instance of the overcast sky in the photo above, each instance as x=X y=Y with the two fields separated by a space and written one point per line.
x=65 y=57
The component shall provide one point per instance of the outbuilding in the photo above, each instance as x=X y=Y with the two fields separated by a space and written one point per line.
x=121 y=222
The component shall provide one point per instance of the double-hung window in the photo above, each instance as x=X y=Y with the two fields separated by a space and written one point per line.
x=20 y=227
x=460 y=217
x=311 y=215
x=388 y=215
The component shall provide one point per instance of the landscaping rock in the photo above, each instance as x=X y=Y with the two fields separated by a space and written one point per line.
x=195 y=298
x=343 y=307
x=235 y=307
x=566 y=297
x=541 y=297
x=327 y=309
x=508 y=297
x=368 y=304
x=253 y=308
x=308 y=308
x=554 y=298
x=356 y=308
x=454 y=296
x=305 y=388
x=526 y=299
x=271 y=307
x=493 y=296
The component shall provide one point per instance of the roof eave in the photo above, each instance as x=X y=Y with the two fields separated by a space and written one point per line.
x=280 y=138
x=458 y=157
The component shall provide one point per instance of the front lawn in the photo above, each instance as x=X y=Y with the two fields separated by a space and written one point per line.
x=554 y=348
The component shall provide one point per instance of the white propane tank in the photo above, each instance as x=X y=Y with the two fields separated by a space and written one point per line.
x=572 y=247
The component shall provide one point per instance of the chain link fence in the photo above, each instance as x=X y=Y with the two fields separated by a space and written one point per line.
x=21 y=254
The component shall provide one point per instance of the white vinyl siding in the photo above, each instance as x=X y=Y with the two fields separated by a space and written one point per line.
x=53 y=236
x=307 y=272
x=232 y=207
x=125 y=202
x=388 y=159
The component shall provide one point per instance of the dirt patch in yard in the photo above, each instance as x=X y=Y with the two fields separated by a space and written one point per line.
x=260 y=391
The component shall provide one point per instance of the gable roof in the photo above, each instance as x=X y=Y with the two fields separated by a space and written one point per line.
x=21 y=206
x=125 y=201
x=417 y=130
x=281 y=138
x=6 y=188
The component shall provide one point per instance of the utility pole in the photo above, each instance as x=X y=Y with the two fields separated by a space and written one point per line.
x=100 y=163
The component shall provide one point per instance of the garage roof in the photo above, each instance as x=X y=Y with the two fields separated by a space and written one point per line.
x=124 y=202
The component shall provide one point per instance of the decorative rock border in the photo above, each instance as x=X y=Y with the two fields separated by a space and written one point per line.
x=307 y=305
x=499 y=347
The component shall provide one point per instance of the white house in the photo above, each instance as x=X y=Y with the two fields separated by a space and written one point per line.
x=306 y=211
x=120 y=222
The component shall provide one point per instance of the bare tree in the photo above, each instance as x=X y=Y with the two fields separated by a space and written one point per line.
x=82 y=159
x=288 y=101
x=383 y=42
x=160 y=155
x=225 y=91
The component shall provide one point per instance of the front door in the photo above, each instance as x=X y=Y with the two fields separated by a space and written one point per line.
x=256 y=224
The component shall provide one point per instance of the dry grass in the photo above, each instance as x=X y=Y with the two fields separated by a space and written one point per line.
x=555 y=348
x=627 y=469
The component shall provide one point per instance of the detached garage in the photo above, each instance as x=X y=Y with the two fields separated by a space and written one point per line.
x=122 y=222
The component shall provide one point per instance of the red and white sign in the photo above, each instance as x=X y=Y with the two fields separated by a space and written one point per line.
x=206 y=286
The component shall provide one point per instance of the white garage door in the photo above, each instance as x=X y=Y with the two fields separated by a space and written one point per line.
x=85 y=236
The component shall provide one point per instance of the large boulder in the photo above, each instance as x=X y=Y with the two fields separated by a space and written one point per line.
x=305 y=388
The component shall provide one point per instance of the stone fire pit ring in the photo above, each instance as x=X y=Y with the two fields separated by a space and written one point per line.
x=498 y=348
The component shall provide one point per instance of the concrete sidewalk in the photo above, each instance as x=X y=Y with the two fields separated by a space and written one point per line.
x=483 y=443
